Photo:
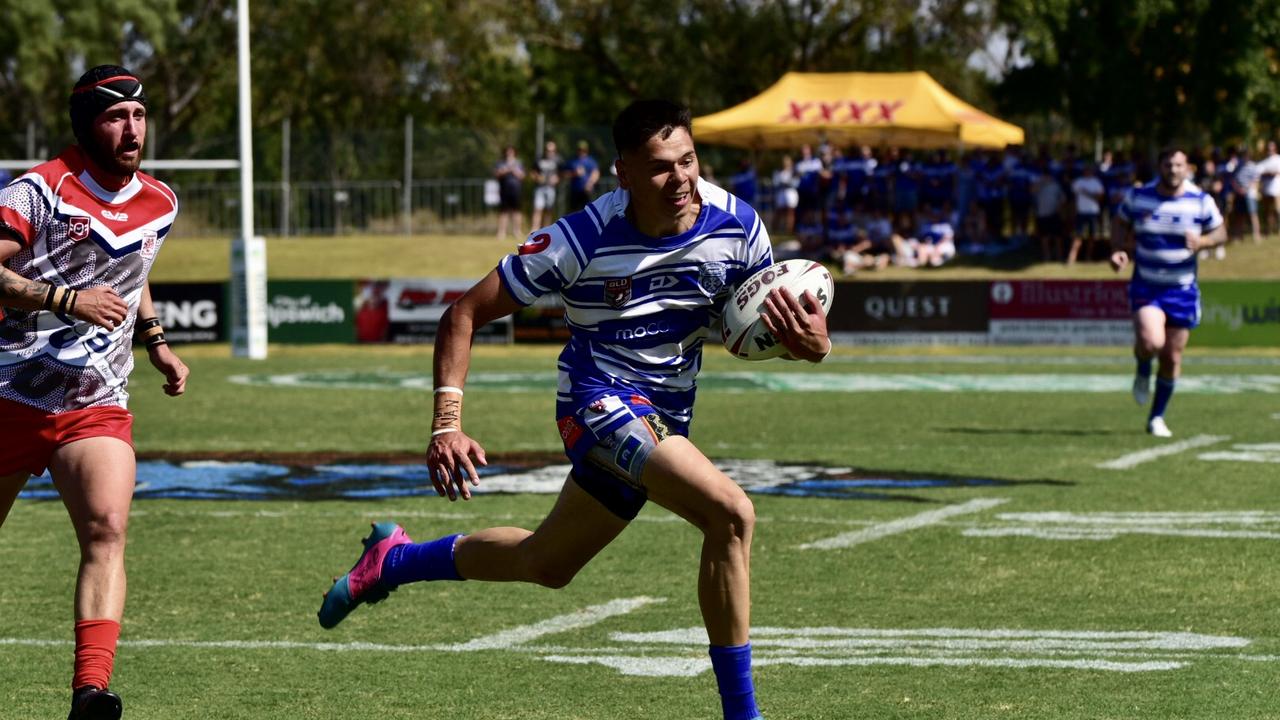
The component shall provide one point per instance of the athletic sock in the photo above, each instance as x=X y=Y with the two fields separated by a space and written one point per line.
x=95 y=652
x=732 y=666
x=1164 y=391
x=416 y=562
x=1144 y=368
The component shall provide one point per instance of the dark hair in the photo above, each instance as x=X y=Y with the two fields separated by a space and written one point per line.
x=643 y=119
x=1169 y=151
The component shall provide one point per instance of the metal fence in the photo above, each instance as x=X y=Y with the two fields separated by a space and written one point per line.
x=450 y=206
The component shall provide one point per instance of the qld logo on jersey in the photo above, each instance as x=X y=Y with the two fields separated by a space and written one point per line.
x=712 y=276
x=617 y=292
x=78 y=228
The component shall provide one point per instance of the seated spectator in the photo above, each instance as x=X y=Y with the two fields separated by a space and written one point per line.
x=936 y=244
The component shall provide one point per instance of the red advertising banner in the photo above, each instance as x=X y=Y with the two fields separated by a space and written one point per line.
x=1059 y=300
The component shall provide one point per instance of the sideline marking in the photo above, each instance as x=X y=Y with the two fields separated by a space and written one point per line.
x=744 y=381
x=1243 y=525
x=1125 y=462
x=875 y=532
x=681 y=652
x=585 y=617
x=1245 y=452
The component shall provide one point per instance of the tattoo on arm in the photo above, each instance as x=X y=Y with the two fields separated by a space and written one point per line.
x=19 y=292
x=448 y=414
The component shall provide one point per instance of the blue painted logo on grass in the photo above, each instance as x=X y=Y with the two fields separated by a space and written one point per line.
x=219 y=480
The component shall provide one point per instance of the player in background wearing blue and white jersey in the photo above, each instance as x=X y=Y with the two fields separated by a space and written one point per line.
x=1162 y=225
x=644 y=273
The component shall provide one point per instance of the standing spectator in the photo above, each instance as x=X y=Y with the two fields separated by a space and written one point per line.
x=510 y=174
x=858 y=170
x=906 y=189
x=810 y=170
x=880 y=192
x=785 y=196
x=1050 y=200
x=1269 y=172
x=78 y=237
x=1090 y=194
x=743 y=182
x=990 y=193
x=1018 y=178
x=546 y=174
x=1244 y=197
x=584 y=173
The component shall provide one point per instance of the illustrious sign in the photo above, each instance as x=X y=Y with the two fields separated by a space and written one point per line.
x=1060 y=312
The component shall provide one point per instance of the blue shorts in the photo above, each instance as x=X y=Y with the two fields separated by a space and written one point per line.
x=1181 y=305
x=607 y=440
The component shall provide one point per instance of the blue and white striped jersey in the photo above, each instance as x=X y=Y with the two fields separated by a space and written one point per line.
x=1160 y=223
x=638 y=308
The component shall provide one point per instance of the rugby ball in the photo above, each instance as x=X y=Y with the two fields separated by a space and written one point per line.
x=743 y=332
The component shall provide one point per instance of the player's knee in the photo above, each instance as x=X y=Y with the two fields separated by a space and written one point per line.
x=734 y=518
x=105 y=533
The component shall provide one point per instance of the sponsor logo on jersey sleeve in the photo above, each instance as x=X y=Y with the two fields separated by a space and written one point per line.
x=535 y=244
x=148 y=249
x=570 y=431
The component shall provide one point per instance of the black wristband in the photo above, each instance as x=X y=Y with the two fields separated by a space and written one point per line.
x=48 y=297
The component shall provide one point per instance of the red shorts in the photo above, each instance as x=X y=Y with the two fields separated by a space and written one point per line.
x=28 y=435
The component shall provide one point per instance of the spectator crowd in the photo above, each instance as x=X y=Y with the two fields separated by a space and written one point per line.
x=866 y=208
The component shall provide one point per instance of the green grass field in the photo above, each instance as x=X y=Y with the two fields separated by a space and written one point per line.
x=466 y=256
x=956 y=548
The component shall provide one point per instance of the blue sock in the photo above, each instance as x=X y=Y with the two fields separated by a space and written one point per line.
x=1144 y=368
x=416 y=562
x=732 y=666
x=1164 y=391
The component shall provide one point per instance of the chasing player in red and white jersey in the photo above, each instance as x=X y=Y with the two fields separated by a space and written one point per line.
x=78 y=236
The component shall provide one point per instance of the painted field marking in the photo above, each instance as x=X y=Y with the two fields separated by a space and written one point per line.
x=1133 y=459
x=1245 y=452
x=894 y=527
x=732 y=382
x=585 y=617
x=1245 y=525
x=682 y=652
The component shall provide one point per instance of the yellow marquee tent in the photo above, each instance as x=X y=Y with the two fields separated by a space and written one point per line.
x=907 y=109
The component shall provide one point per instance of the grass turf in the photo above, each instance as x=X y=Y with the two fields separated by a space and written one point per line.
x=231 y=574
x=207 y=259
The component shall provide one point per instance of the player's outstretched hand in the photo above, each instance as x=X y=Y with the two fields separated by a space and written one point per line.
x=450 y=464
x=100 y=306
x=800 y=325
x=1119 y=259
x=174 y=370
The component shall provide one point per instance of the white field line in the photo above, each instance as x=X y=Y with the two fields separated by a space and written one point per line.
x=907 y=524
x=1051 y=533
x=506 y=640
x=1125 y=462
x=573 y=621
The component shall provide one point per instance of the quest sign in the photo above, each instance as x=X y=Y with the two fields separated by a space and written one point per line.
x=909 y=312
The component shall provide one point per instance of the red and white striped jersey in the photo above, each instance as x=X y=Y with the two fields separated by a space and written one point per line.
x=76 y=233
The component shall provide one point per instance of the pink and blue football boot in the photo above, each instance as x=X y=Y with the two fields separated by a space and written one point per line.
x=363 y=584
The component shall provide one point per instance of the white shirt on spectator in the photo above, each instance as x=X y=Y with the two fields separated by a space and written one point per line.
x=1270 y=171
x=1088 y=189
